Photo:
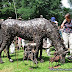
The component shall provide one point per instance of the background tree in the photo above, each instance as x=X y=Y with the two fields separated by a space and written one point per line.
x=70 y=2
x=33 y=9
x=6 y=9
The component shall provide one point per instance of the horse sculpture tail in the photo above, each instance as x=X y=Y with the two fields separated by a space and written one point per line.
x=1 y=20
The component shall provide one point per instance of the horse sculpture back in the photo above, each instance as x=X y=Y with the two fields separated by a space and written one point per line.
x=33 y=30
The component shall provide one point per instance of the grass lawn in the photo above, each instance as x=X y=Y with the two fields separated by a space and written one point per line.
x=20 y=66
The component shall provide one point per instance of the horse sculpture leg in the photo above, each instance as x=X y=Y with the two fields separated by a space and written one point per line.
x=39 y=41
x=3 y=45
x=7 y=48
x=0 y=58
x=41 y=60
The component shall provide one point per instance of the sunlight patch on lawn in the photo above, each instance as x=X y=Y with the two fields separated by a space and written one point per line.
x=10 y=69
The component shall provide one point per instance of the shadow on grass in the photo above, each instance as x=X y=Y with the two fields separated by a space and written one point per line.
x=68 y=61
x=19 y=59
x=4 y=56
x=25 y=64
x=12 y=55
x=34 y=67
x=45 y=58
x=20 y=51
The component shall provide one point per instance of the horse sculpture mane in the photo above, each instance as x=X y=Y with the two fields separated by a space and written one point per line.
x=33 y=30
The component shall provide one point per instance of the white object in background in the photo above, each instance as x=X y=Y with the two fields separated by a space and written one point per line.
x=49 y=42
x=23 y=43
x=12 y=48
x=48 y=51
x=19 y=42
x=66 y=4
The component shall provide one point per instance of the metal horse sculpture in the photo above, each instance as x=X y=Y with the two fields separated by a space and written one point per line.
x=33 y=30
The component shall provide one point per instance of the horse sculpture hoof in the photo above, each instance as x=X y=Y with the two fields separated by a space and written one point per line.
x=10 y=60
x=41 y=60
x=1 y=61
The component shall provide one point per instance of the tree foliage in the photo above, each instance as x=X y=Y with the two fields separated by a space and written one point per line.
x=70 y=1
x=32 y=9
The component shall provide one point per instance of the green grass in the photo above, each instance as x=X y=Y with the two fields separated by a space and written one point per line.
x=20 y=66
